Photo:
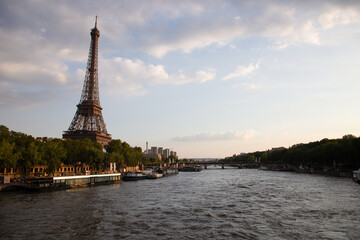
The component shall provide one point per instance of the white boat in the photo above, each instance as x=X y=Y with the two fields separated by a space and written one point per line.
x=87 y=179
x=66 y=182
x=356 y=176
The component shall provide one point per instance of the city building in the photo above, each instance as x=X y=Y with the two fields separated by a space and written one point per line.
x=158 y=152
x=154 y=150
x=166 y=153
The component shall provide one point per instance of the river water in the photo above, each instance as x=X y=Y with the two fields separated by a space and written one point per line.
x=212 y=204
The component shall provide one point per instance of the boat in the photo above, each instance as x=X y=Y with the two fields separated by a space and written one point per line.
x=85 y=180
x=155 y=175
x=65 y=182
x=191 y=169
x=356 y=176
x=134 y=175
x=170 y=172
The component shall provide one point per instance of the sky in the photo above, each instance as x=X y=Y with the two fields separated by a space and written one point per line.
x=204 y=78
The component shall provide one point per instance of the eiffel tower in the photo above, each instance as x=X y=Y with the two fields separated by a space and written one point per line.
x=88 y=121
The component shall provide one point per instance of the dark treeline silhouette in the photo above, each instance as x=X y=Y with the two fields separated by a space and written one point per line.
x=341 y=155
x=21 y=152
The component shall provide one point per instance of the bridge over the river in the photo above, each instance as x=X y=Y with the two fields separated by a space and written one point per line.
x=205 y=164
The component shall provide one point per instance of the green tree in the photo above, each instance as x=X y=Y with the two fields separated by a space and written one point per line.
x=264 y=157
x=55 y=153
x=32 y=154
x=8 y=157
x=72 y=148
x=4 y=133
x=116 y=157
x=114 y=145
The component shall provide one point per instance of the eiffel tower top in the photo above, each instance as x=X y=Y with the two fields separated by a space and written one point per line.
x=90 y=93
x=95 y=30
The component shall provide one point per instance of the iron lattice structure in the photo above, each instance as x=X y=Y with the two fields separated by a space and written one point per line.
x=88 y=121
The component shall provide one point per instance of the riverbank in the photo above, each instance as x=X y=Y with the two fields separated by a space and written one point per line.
x=77 y=181
x=326 y=172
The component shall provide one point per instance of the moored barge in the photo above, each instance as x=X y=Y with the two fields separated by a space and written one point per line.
x=66 y=182
x=134 y=175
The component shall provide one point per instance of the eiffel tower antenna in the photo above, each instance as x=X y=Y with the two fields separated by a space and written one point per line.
x=88 y=121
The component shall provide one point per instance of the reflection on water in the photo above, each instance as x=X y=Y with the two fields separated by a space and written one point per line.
x=216 y=204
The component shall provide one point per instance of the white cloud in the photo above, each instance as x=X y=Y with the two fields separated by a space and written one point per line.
x=251 y=86
x=199 y=36
x=283 y=24
x=217 y=136
x=335 y=16
x=130 y=77
x=39 y=46
x=279 y=46
x=27 y=73
x=276 y=21
x=158 y=27
x=242 y=71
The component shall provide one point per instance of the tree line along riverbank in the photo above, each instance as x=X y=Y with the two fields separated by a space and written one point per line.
x=20 y=152
x=331 y=156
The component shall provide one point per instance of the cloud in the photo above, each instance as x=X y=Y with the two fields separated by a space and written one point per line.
x=251 y=86
x=336 y=16
x=27 y=73
x=159 y=27
x=131 y=77
x=279 y=46
x=283 y=24
x=35 y=52
x=214 y=136
x=43 y=39
x=242 y=71
x=199 y=36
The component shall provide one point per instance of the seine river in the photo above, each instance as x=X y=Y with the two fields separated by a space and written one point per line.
x=212 y=204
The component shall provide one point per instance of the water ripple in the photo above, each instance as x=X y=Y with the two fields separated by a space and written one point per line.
x=217 y=204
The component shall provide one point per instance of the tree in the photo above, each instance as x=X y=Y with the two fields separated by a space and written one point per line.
x=116 y=157
x=152 y=162
x=55 y=153
x=185 y=160
x=32 y=154
x=8 y=157
x=4 y=133
x=114 y=145
x=96 y=157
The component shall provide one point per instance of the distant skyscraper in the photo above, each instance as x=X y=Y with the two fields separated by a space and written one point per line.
x=154 y=150
x=166 y=153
